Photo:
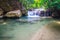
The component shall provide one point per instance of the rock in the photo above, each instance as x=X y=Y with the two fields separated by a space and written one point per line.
x=1 y=12
x=9 y=5
x=23 y=10
x=16 y=13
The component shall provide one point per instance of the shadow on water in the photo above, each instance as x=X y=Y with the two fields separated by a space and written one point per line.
x=6 y=25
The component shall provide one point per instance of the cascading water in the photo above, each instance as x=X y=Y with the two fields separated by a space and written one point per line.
x=33 y=14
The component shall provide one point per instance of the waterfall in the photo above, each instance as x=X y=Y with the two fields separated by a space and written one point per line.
x=33 y=14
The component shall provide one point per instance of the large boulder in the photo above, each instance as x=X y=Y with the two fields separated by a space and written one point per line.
x=16 y=13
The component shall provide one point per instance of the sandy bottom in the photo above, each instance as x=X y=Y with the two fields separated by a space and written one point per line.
x=47 y=33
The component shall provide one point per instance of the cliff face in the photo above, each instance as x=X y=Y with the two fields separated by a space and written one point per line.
x=10 y=5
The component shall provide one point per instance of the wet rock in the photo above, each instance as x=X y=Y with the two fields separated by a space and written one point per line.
x=16 y=13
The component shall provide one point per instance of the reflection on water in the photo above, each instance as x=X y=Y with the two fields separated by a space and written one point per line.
x=20 y=29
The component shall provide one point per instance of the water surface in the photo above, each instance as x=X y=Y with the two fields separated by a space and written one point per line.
x=21 y=29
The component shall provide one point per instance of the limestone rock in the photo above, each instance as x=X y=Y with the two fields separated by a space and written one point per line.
x=16 y=13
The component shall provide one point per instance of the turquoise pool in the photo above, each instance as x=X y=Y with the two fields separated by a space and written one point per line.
x=21 y=29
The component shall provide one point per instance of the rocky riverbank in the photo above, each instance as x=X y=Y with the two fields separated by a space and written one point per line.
x=11 y=8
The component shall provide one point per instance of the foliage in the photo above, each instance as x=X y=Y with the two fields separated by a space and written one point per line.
x=40 y=3
x=30 y=3
x=50 y=3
